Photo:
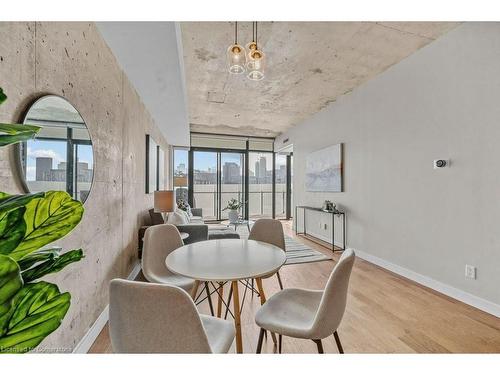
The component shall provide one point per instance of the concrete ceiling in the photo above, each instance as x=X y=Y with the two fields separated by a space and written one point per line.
x=309 y=65
x=150 y=53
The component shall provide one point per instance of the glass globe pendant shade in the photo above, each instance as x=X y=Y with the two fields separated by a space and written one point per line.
x=250 y=49
x=256 y=65
x=236 y=59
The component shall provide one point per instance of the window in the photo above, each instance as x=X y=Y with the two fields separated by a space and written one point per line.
x=83 y=161
x=243 y=168
x=180 y=173
x=46 y=165
x=280 y=185
x=260 y=187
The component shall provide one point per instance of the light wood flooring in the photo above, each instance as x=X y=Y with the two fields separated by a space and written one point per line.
x=385 y=313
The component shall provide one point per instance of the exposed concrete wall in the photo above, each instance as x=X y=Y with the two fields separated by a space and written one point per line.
x=441 y=102
x=72 y=60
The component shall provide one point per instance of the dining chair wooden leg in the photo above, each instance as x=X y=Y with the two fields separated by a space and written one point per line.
x=259 y=343
x=261 y=291
x=339 y=344
x=237 y=321
x=194 y=290
x=280 y=338
x=260 y=288
x=279 y=280
x=319 y=344
x=207 y=290
x=219 y=300
x=253 y=288
x=229 y=300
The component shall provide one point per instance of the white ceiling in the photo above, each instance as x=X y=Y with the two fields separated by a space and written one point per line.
x=309 y=65
x=150 y=55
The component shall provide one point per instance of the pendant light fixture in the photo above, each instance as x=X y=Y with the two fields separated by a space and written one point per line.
x=256 y=58
x=236 y=57
x=251 y=46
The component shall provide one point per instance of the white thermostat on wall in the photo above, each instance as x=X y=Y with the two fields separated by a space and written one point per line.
x=441 y=163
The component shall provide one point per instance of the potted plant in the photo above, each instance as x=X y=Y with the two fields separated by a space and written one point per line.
x=233 y=205
x=183 y=205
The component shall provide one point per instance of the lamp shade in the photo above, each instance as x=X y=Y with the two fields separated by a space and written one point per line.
x=164 y=201
x=256 y=65
x=236 y=59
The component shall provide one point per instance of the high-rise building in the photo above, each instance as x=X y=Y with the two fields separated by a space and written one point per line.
x=45 y=172
x=84 y=174
x=231 y=173
x=262 y=168
x=43 y=167
x=257 y=170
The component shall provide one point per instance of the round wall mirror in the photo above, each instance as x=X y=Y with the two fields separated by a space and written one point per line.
x=61 y=156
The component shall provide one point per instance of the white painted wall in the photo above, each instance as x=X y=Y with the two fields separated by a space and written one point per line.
x=151 y=55
x=441 y=102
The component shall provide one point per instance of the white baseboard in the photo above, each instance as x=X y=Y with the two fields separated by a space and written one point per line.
x=135 y=271
x=88 y=339
x=460 y=295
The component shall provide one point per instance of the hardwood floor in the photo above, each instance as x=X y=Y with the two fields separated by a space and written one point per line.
x=385 y=313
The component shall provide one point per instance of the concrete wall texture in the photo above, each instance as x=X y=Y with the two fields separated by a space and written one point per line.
x=72 y=60
x=440 y=102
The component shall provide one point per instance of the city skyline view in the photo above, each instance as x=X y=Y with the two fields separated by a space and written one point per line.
x=206 y=161
x=206 y=194
x=52 y=149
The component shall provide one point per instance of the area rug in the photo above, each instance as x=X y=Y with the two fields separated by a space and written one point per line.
x=296 y=252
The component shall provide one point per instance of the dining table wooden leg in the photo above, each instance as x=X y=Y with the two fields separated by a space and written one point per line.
x=209 y=297
x=237 y=319
x=220 y=294
x=262 y=301
x=194 y=290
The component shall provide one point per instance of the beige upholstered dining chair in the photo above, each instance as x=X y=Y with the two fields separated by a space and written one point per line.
x=309 y=314
x=271 y=232
x=159 y=241
x=157 y=318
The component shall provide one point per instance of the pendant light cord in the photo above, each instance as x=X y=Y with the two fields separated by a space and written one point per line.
x=236 y=32
x=256 y=45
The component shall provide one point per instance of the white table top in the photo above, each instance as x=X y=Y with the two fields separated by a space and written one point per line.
x=224 y=260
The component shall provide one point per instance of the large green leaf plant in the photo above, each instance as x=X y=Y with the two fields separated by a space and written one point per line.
x=31 y=309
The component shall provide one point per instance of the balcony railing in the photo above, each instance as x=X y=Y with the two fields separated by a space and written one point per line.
x=260 y=202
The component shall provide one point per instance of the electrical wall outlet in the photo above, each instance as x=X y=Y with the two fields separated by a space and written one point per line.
x=470 y=272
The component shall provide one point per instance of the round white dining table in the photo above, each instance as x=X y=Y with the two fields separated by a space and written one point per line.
x=227 y=260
